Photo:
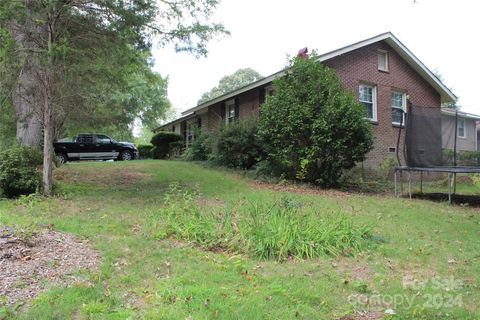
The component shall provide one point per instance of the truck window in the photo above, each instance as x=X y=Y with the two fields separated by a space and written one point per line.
x=85 y=139
x=102 y=139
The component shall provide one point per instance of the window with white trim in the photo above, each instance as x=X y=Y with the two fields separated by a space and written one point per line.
x=382 y=60
x=368 y=98
x=461 y=132
x=190 y=134
x=230 y=111
x=399 y=102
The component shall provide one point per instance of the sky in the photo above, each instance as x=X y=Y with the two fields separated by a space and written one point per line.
x=443 y=34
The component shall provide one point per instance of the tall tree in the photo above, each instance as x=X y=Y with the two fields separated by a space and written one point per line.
x=236 y=80
x=67 y=53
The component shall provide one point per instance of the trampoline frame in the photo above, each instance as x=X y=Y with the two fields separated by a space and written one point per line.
x=451 y=171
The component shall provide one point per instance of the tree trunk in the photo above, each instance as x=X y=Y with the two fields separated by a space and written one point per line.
x=29 y=126
x=47 y=139
x=48 y=125
x=28 y=120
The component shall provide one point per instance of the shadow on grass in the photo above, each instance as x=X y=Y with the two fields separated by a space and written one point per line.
x=459 y=199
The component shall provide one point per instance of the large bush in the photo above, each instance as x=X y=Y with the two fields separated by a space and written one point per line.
x=200 y=149
x=236 y=145
x=162 y=143
x=19 y=174
x=311 y=127
x=145 y=151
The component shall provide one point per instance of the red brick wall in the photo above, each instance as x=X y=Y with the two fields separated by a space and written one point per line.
x=353 y=68
x=249 y=104
x=215 y=114
x=362 y=66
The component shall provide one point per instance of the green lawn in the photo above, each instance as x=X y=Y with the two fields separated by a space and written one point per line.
x=423 y=260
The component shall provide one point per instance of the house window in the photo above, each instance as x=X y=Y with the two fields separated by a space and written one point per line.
x=230 y=111
x=173 y=128
x=382 y=60
x=368 y=98
x=190 y=134
x=269 y=90
x=398 y=101
x=461 y=132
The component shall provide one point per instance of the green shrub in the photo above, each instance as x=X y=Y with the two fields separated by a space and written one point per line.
x=19 y=174
x=161 y=144
x=200 y=149
x=312 y=128
x=282 y=230
x=236 y=145
x=145 y=151
x=463 y=158
x=175 y=149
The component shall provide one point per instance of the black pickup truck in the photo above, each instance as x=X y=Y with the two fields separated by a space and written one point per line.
x=94 y=147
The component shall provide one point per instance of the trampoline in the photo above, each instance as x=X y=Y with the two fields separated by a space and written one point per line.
x=422 y=150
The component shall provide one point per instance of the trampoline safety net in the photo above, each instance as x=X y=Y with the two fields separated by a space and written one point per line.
x=423 y=137
x=431 y=143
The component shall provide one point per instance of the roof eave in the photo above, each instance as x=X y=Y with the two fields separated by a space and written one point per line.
x=185 y=117
x=452 y=112
x=446 y=95
x=238 y=91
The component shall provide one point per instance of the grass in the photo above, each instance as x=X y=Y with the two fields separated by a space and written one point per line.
x=420 y=258
x=281 y=230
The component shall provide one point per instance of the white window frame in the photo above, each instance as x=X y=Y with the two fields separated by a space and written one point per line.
x=373 y=102
x=382 y=53
x=190 y=133
x=403 y=108
x=229 y=105
x=464 y=136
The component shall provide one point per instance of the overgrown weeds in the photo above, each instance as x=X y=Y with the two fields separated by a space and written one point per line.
x=281 y=230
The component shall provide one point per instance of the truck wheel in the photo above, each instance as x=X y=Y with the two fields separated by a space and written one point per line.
x=62 y=158
x=126 y=155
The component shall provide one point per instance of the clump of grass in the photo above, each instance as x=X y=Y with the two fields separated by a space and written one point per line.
x=280 y=230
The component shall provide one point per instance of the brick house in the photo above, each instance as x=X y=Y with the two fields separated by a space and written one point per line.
x=381 y=72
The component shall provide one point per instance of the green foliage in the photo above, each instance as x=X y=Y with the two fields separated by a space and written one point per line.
x=200 y=149
x=7 y=124
x=100 y=57
x=463 y=158
x=282 y=230
x=19 y=174
x=162 y=144
x=144 y=136
x=145 y=151
x=311 y=127
x=236 y=80
x=175 y=149
x=236 y=145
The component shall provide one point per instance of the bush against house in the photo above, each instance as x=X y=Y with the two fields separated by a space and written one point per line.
x=165 y=144
x=145 y=151
x=236 y=145
x=311 y=127
x=19 y=171
x=201 y=147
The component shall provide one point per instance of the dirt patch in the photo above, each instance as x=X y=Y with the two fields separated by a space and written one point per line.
x=363 y=315
x=353 y=270
x=303 y=189
x=30 y=265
